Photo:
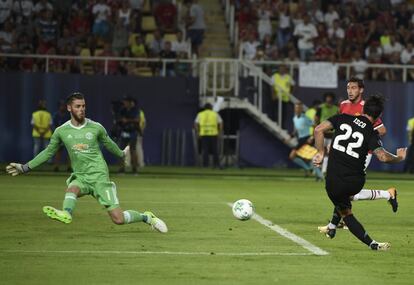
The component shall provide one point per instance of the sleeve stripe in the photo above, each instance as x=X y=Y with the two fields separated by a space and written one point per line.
x=379 y=126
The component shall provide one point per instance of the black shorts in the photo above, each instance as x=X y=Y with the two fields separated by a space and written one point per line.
x=196 y=36
x=301 y=142
x=340 y=190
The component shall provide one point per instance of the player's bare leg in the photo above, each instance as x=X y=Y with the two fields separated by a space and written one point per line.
x=120 y=217
x=69 y=203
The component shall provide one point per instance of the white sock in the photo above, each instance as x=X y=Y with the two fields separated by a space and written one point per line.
x=331 y=226
x=367 y=194
x=325 y=164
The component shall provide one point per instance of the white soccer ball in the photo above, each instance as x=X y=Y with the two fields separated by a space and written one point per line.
x=243 y=209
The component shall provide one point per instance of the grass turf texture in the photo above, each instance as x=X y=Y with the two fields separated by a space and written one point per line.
x=192 y=202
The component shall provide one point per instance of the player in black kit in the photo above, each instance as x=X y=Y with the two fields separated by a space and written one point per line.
x=354 y=137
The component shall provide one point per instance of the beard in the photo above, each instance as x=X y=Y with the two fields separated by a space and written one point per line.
x=80 y=119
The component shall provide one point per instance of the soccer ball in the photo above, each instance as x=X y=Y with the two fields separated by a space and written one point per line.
x=243 y=209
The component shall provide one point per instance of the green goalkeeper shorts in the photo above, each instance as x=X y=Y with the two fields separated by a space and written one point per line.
x=102 y=189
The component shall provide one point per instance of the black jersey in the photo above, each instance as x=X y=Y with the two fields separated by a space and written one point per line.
x=354 y=136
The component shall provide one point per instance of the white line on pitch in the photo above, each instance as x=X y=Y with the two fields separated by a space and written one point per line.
x=195 y=253
x=82 y=200
x=285 y=233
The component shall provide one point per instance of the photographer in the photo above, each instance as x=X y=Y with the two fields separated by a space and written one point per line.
x=129 y=128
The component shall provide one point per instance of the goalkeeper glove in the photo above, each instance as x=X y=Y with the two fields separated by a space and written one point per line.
x=127 y=155
x=16 y=168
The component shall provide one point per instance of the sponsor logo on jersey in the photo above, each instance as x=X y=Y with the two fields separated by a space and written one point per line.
x=89 y=136
x=70 y=137
x=80 y=147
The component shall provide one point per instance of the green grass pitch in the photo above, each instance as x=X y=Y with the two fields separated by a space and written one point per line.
x=205 y=244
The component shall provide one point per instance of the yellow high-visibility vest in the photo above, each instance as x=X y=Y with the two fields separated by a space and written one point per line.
x=142 y=121
x=311 y=113
x=208 y=123
x=282 y=86
x=42 y=120
x=410 y=129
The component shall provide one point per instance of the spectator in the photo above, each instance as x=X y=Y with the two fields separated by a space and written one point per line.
x=372 y=35
x=269 y=48
x=101 y=13
x=124 y=14
x=249 y=47
x=157 y=44
x=316 y=15
x=138 y=48
x=330 y=16
x=392 y=47
x=47 y=29
x=120 y=37
x=368 y=14
x=167 y=53
x=136 y=6
x=166 y=16
x=306 y=33
x=79 y=25
x=41 y=123
x=23 y=43
x=323 y=51
x=359 y=65
x=407 y=53
x=127 y=67
x=196 y=26
x=264 y=25
x=23 y=9
x=284 y=31
x=112 y=65
x=27 y=64
x=7 y=37
x=42 y=5
x=336 y=32
x=66 y=39
x=182 y=68
x=180 y=45
x=6 y=7
x=129 y=124
x=208 y=125
x=403 y=15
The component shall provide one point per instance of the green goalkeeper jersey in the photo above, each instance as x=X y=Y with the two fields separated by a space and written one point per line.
x=83 y=146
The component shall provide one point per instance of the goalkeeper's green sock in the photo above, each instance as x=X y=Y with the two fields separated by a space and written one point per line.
x=131 y=216
x=70 y=202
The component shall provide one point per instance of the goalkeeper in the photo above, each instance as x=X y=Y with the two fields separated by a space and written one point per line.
x=82 y=138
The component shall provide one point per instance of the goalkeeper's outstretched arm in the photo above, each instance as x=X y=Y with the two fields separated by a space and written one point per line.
x=15 y=168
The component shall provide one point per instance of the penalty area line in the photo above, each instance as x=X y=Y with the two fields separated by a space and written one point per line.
x=285 y=233
x=186 y=253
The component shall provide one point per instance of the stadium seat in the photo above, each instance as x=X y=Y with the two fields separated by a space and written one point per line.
x=131 y=39
x=147 y=8
x=170 y=37
x=143 y=71
x=148 y=24
x=148 y=38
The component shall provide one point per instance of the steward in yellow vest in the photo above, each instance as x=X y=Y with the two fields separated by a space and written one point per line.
x=42 y=127
x=208 y=125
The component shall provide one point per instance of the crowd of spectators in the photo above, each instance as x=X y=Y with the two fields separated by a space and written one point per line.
x=122 y=28
x=347 y=31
